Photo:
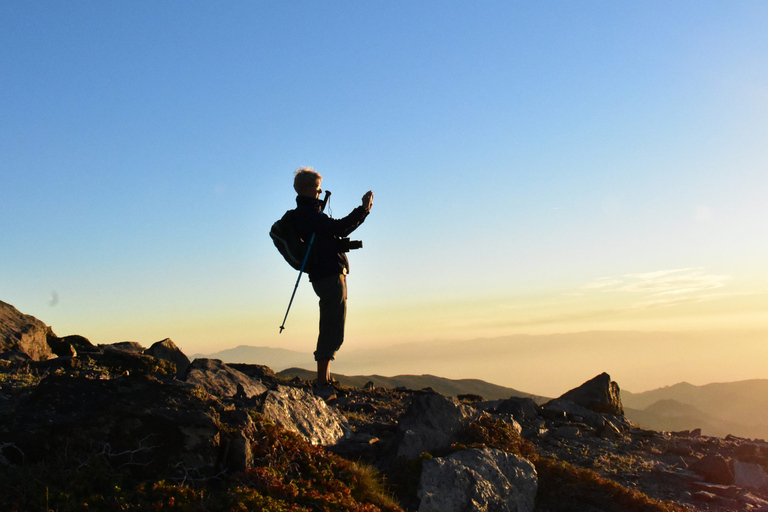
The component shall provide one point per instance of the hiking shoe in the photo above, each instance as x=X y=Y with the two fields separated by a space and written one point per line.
x=324 y=391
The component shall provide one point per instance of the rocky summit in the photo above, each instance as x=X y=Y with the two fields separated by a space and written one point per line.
x=119 y=426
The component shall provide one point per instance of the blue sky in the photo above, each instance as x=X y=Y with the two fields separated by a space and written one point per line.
x=529 y=161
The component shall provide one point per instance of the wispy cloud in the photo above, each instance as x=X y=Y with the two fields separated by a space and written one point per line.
x=662 y=288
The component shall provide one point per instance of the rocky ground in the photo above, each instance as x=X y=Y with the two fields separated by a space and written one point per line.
x=124 y=427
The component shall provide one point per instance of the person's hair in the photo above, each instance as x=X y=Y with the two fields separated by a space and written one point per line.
x=305 y=177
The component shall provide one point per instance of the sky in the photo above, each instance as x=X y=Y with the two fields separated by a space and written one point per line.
x=538 y=168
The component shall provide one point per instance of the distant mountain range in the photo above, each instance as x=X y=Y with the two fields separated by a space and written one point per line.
x=737 y=408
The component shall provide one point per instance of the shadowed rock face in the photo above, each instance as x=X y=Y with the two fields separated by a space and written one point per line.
x=24 y=334
x=167 y=350
x=599 y=394
x=431 y=422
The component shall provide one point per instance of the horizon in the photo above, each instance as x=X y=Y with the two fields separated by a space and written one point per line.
x=538 y=170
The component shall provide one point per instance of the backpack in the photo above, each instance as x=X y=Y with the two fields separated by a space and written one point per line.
x=288 y=241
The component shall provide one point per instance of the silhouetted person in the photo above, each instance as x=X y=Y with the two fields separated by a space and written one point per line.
x=328 y=268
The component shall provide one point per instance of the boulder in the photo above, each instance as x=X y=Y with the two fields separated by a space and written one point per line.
x=133 y=419
x=521 y=408
x=478 y=480
x=24 y=333
x=599 y=394
x=80 y=343
x=432 y=422
x=125 y=346
x=220 y=380
x=572 y=411
x=168 y=351
x=747 y=474
x=305 y=414
x=713 y=468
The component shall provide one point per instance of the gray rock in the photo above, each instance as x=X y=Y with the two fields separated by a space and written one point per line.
x=746 y=474
x=432 y=422
x=573 y=411
x=220 y=380
x=168 y=351
x=522 y=408
x=309 y=416
x=80 y=343
x=24 y=333
x=239 y=456
x=714 y=468
x=567 y=432
x=481 y=480
x=125 y=346
x=599 y=394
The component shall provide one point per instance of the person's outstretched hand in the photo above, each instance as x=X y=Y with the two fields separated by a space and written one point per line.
x=368 y=200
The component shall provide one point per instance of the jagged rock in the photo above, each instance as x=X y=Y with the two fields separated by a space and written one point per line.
x=239 y=456
x=714 y=468
x=572 y=411
x=61 y=348
x=309 y=416
x=481 y=480
x=24 y=333
x=522 y=408
x=134 y=419
x=168 y=351
x=260 y=372
x=125 y=346
x=431 y=422
x=80 y=343
x=118 y=360
x=599 y=394
x=746 y=474
x=220 y=380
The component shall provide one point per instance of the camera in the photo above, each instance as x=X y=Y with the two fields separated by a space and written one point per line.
x=346 y=245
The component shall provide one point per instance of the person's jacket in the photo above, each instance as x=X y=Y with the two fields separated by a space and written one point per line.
x=325 y=259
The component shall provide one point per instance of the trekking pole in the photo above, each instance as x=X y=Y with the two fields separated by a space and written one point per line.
x=303 y=263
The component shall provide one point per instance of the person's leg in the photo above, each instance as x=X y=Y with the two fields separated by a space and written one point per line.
x=332 y=292
x=323 y=371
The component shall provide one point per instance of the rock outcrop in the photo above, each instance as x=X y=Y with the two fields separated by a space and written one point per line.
x=168 y=351
x=599 y=394
x=299 y=411
x=478 y=480
x=431 y=422
x=219 y=379
x=24 y=334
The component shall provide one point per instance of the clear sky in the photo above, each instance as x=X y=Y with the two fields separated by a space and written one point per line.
x=538 y=168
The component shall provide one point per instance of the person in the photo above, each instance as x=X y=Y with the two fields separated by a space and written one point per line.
x=328 y=268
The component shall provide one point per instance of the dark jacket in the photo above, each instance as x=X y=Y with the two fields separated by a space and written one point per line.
x=325 y=259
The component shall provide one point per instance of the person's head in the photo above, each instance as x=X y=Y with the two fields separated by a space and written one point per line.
x=306 y=182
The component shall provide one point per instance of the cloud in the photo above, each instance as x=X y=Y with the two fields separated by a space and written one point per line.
x=663 y=287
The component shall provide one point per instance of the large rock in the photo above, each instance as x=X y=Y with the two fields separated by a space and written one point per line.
x=220 y=380
x=599 y=394
x=713 y=468
x=432 y=422
x=298 y=411
x=133 y=420
x=747 y=474
x=24 y=333
x=478 y=480
x=168 y=351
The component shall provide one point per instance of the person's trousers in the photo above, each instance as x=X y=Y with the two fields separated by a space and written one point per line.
x=332 y=292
